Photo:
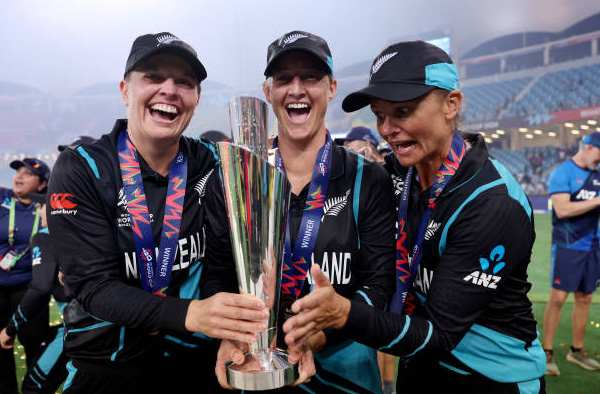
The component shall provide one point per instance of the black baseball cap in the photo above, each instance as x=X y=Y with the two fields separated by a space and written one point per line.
x=152 y=44
x=36 y=166
x=299 y=41
x=359 y=133
x=403 y=72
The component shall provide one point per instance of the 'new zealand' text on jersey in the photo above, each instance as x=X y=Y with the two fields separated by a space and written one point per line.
x=579 y=232
x=111 y=321
x=472 y=313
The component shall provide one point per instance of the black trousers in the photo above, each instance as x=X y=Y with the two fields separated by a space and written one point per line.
x=30 y=336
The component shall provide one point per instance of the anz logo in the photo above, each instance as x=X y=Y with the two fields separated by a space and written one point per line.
x=586 y=194
x=488 y=280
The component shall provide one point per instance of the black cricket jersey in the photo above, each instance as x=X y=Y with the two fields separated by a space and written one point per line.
x=355 y=249
x=111 y=320
x=472 y=312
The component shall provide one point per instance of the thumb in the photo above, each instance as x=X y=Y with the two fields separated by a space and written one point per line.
x=319 y=277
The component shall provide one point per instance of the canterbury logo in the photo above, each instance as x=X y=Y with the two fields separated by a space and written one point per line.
x=293 y=38
x=166 y=39
x=334 y=206
x=381 y=61
x=61 y=201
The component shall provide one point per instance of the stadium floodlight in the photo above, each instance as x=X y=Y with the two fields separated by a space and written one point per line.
x=522 y=129
x=592 y=122
x=584 y=127
x=529 y=136
x=501 y=132
x=537 y=131
x=575 y=132
x=482 y=133
x=597 y=128
x=552 y=134
x=568 y=124
x=489 y=140
x=495 y=136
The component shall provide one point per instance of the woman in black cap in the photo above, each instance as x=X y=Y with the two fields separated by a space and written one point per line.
x=460 y=317
x=138 y=220
x=19 y=222
x=340 y=215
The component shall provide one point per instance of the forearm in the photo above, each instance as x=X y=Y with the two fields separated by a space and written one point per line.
x=568 y=209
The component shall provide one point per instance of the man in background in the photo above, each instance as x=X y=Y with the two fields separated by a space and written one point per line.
x=573 y=189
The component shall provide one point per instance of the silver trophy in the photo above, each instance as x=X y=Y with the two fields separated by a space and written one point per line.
x=257 y=196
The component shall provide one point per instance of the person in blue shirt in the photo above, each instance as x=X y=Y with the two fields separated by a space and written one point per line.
x=573 y=189
x=19 y=222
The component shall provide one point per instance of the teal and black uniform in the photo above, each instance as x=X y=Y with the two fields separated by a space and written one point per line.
x=472 y=329
x=117 y=335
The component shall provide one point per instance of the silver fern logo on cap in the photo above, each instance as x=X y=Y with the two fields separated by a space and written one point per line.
x=166 y=39
x=293 y=38
x=381 y=61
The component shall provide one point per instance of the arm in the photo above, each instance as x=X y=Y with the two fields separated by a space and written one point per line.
x=376 y=229
x=452 y=305
x=565 y=208
x=44 y=277
x=375 y=270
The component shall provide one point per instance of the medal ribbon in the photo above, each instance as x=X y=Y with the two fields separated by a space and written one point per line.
x=407 y=264
x=295 y=272
x=155 y=274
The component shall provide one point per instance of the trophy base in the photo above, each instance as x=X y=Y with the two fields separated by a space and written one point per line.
x=266 y=371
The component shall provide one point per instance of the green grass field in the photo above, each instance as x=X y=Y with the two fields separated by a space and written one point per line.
x=573 y=379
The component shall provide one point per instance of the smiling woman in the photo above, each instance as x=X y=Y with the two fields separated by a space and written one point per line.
x=142 y=235
x=464 y=239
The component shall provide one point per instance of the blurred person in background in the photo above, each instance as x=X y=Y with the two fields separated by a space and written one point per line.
x=138 y=223
x=20 y=220
x=48 y=370
x=340 y=216
x=460 y=318
x=214 y=136
x=575 y=267
x=361 y=140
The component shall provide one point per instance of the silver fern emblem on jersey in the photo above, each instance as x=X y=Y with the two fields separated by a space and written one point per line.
x=166 y=39
x=121 y=200
x=381 y=61
x=293 y=38
x=201 y=186
x=432 y=227
x=398 y=183
x=334 y=206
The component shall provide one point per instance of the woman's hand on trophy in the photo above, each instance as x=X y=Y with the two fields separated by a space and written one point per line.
x=303 y=355
x=228 y=316
x=320 y=309
x=229 y=351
